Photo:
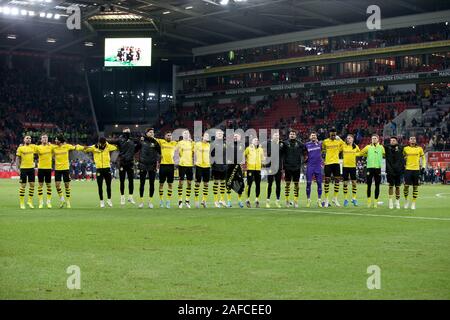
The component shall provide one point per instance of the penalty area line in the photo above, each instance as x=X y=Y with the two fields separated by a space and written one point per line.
x=325 y=211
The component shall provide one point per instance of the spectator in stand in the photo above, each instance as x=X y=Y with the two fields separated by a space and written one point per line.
x=26 y=96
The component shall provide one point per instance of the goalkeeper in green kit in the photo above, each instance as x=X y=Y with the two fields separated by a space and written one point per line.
x=375 y=154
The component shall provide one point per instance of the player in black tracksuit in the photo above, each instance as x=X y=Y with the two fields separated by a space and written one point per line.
x=274 y=174
x=150 y=153
x=292 y=151
x=219 y=168
x=126 y=148
x=395 y=164
x=235 y=177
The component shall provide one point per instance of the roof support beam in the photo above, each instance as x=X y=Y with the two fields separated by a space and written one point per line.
x=196 y=15
x=183 y=38
x=282 y=18
x=49 y=31
x=409 y=6
x=69 y=44
x=243 y=7
x=214 y=33
x=78 y=40
x=308 y=12
x=35 y=37
x=352 y=7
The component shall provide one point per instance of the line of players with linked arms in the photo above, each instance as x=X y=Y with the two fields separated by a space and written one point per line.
x=157 y=155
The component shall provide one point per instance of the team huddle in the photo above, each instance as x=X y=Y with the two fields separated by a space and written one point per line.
x=222 y=161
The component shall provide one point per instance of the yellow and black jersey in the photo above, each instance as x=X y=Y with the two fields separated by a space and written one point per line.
x=254 y=157
x=413 y=154
x=26 y=154
x=102 y=157
x=332 y=148
x=186 y=152
x=202 y=154
x=167 y=151
x=61 y=153
x=349 y=155
x=45 y=153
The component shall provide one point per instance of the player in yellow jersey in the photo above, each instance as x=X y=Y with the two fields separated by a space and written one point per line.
x=45 y=154
x=332 y=147
x=413 y=155
x=166 y=167
x=349 y=151
x=25 y=161
x=254 y=157
x=185 y=149
x=61 y=153
x=202 y=155
x=101 y=152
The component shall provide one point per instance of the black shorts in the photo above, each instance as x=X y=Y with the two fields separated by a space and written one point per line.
x=45 y=175
x=332 y=170
x=166 y=172
x=412 y=177
x=292 y=175
x=219 y=175
x=348 y=174
x=124 y=166
x=202 y=174
x=62 y=175
x=276 y=176
x=27 y=174
x=187 y=172
x=394 y=179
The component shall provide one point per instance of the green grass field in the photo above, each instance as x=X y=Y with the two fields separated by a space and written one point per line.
x=130 y=253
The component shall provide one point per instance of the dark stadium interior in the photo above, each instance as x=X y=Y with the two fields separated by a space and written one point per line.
x=42 y=50
x=180 y=30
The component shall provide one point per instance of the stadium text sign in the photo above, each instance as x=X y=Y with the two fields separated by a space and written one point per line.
x=328 y=83
x=439 y=159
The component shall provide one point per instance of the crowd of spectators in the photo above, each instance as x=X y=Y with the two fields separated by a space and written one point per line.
x=434 y=175
x=434 y=124
x=82 y=169
x=315 y=111
x=31 y=104
x=319 y=112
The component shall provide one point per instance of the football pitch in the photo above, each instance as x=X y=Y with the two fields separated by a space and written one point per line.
x=226 y=253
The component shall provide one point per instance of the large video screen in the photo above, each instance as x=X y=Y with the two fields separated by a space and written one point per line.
x=128 y=52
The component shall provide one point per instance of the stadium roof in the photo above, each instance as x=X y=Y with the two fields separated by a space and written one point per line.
x=177 y=26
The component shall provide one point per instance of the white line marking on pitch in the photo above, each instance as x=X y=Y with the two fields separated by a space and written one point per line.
x=440 y=195
x=325 y=211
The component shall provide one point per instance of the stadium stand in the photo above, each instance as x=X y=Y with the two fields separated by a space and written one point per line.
x=380 y=39
x=32 y=104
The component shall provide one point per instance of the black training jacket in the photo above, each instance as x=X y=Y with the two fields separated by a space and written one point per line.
x=215 y=149
x=150 y=153
x=126 y=148
x=395 y=162
x=291 y=152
